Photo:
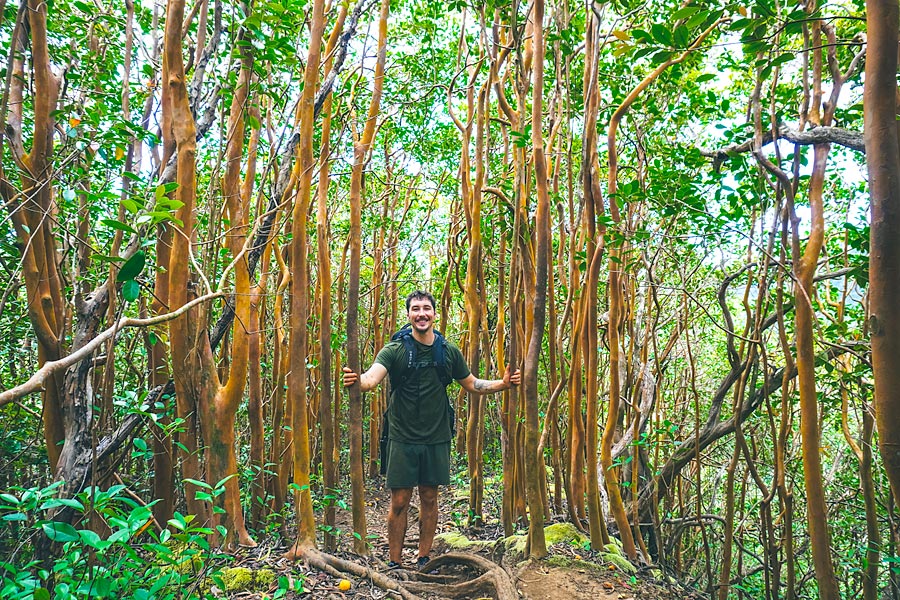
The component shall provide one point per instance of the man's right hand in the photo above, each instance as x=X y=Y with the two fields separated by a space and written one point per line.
x=349 y=377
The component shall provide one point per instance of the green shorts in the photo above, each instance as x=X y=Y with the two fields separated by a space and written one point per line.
x=411 y=465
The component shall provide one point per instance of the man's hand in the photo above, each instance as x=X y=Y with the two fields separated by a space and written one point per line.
x=512 y=378
x=349 y=377
x=367 y=381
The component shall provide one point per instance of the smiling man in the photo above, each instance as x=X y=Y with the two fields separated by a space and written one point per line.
x=421 y=363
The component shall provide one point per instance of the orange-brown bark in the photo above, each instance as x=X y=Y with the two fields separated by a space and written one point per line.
x=297 y=379
x=360 y=152
x=535 y=472
x=32 y=211
x=179 y=133
x=323 y=235
x=883 y=162
x=616 y=300
x=586 y=349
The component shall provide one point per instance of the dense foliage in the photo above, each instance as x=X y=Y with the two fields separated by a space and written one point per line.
x=675 y=281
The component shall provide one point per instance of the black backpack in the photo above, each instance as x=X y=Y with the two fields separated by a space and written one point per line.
x=401 y=376
x=438 y=358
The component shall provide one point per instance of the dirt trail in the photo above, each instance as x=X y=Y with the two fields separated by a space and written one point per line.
x=568 y=573
x=535 y=581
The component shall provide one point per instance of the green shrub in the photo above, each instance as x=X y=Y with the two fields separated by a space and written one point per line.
x=132 y=561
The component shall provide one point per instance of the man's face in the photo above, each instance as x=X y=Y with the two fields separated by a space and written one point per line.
x=421 y=314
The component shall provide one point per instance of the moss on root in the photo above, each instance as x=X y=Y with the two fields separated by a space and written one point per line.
x=564 y=532
x=457 y=541
x=242 y=579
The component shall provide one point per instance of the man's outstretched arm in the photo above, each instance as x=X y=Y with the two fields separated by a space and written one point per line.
x=488 y=386
x=369 y=380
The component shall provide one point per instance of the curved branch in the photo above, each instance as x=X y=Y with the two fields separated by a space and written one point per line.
x=36 y=382
x=817 y=135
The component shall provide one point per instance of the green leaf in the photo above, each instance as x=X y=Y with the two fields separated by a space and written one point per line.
x=684 y=12
x=699 y=19
x=121 y=535
x=639 y=35
x=41 y=594
x=227 y=479
x=682 y=37
x=783 y=58
x=68 y=502
x=132 y=267
x=90 y=538
x=198 y=483
x=119 y=225
x=131 y=290
x=661 y=34
x=60 y=532
x=159 y=192
x=661 y=57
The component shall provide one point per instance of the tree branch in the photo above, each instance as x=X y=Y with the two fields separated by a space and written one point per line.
x=817 y=135
x=36 y=382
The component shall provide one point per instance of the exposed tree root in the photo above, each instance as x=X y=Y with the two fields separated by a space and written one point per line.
x=491 y=580
x=335 y=566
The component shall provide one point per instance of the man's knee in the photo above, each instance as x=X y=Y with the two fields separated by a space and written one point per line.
x=400 y=500
x=428 y=496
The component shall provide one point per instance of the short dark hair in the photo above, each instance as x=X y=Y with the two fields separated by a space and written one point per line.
x=419 y=295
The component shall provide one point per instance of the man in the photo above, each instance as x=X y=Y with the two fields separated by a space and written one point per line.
x=419 y=417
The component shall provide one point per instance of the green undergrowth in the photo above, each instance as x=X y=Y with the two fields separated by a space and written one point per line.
x=131 y=560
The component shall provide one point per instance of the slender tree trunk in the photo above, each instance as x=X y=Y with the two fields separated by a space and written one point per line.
x=360 y=154
x=323 y=239
x=883 y=163
x=179 y=130
x=534 y=462
x=297 y=379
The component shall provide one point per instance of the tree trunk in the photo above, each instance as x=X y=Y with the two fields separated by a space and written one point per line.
x=883 y=162
x=360 y=153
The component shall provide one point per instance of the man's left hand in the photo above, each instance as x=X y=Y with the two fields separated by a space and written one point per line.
x=512 y=378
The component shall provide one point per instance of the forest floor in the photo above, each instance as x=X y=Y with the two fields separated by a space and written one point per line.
x=570 y=572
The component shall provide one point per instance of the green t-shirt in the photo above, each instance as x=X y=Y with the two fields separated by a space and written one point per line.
x=418 y=411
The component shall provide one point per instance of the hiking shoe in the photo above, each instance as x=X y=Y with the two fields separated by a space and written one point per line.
x=421 y=562
x=392 y=565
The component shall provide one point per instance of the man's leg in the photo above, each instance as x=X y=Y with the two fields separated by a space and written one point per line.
x=428 y=513
x=397 y=522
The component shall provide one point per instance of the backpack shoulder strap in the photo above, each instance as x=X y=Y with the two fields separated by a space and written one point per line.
x=441 y=361
x=400 y=374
